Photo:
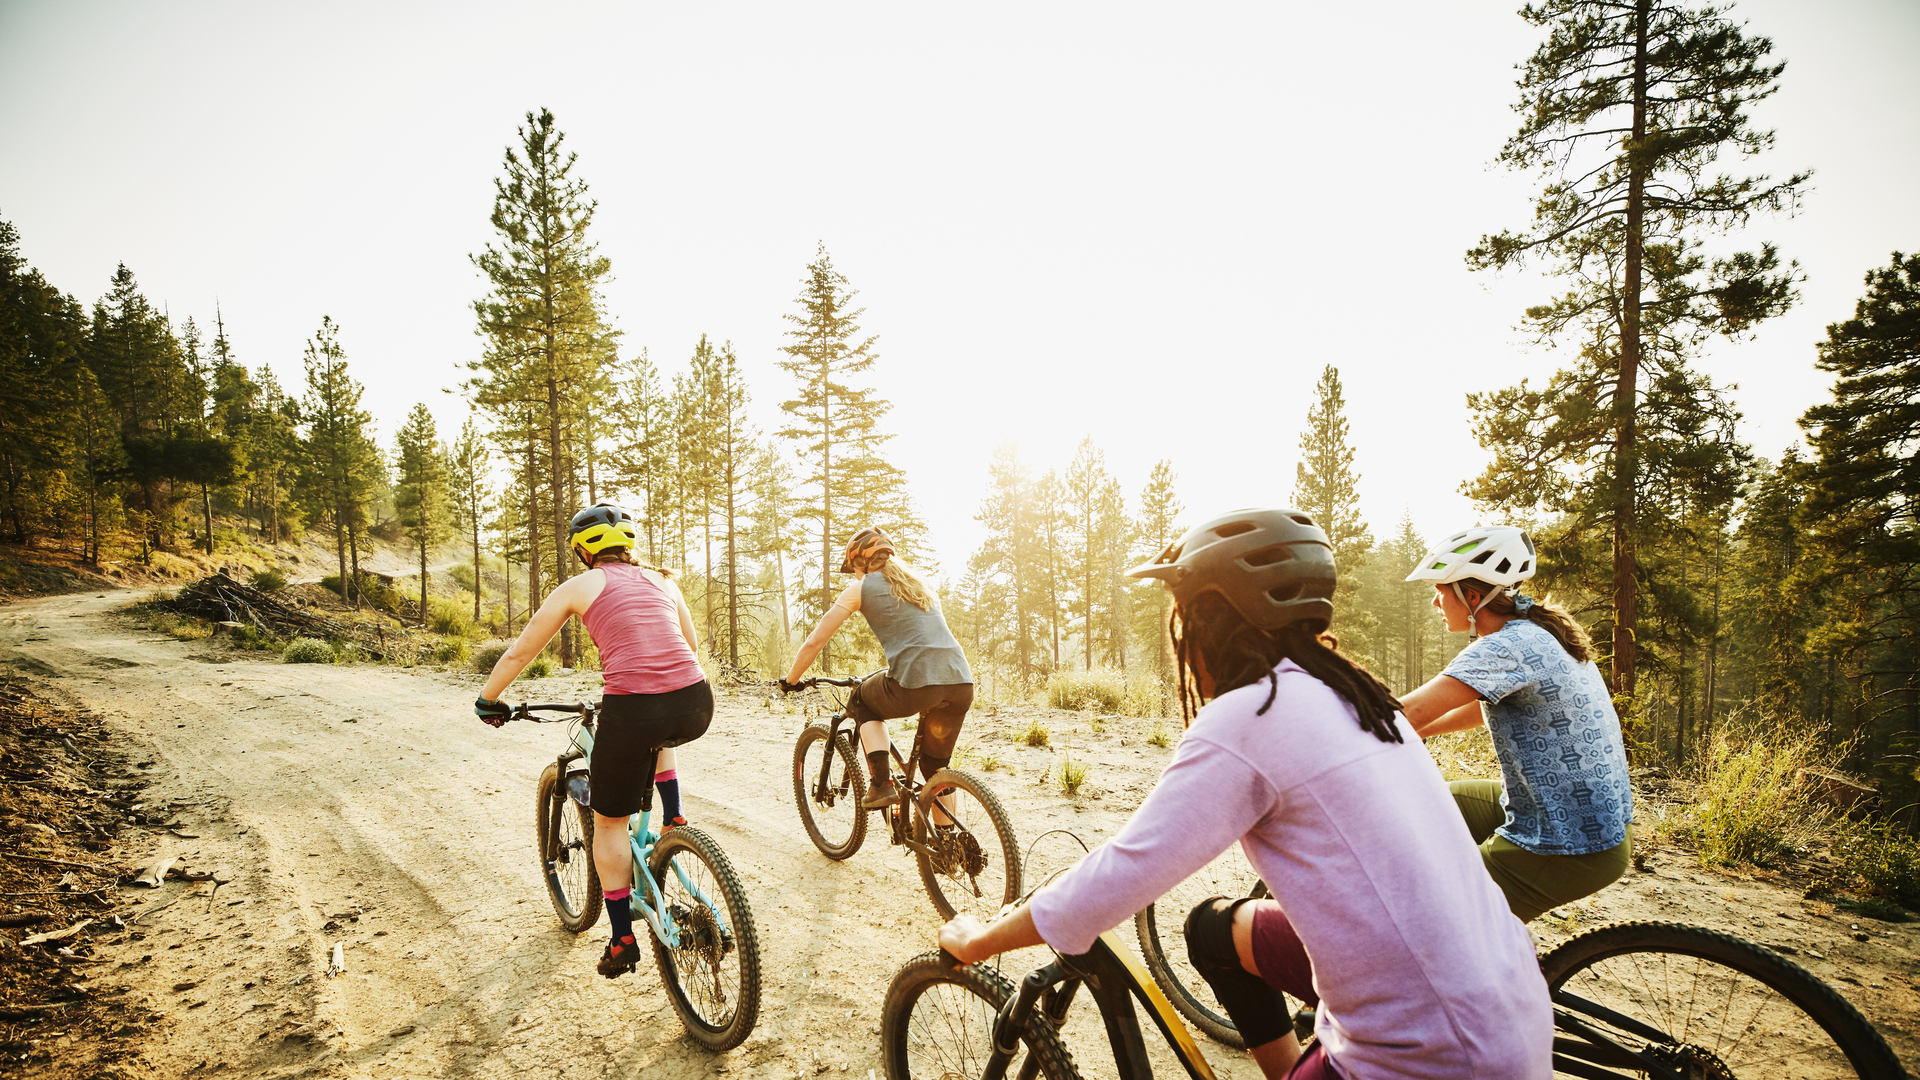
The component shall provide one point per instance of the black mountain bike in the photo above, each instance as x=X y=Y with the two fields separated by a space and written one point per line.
x=1632 y=1001
x=1709 y=1005
x=953 y=824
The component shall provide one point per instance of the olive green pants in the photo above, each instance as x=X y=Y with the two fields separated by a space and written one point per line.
x=1532 y=883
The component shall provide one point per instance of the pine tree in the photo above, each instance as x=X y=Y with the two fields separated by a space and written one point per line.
x=835 y=424
x=41 y=332
x=421 y=499
x=1090 y=493
x=1156 y=528
x=469 y=476
x=545 y=331
x=638 y=461
x=1328 y=489
x=1009 y=564
x=341 y=466
x=1626 y=108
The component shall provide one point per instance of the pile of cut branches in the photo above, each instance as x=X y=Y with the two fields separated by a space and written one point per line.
x=221 y=599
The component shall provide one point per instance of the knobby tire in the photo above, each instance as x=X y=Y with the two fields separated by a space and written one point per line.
x=564 y=834
x=713 y=976
x=837 y=830
x=950 y=885
x=940 y=1020
x=1734 y=1008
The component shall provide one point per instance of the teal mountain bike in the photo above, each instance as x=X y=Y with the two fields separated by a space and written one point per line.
x=685 y=891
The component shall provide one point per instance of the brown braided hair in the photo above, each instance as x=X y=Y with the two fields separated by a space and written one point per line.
x=1544 y=614
x=625 y=555
x=1210 y=634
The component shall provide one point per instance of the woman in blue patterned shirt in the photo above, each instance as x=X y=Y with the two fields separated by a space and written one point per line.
x=1556 y=827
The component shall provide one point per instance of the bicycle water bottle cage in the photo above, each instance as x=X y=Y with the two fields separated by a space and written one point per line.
x=577 y=789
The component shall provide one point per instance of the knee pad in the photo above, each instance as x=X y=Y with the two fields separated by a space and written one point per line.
x=930 y=765
x=1258 y=1010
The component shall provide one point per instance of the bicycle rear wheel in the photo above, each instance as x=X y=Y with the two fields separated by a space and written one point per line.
x=937 y=1021
x=712 y=973
x=834 y=820
x=1163 y=944
x=565 y=842
x=1707 y=1005
x=972 y=863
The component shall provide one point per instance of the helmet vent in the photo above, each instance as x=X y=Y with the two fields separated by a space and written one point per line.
x=1525 y=566
x=1502 y=568
x=1464 y=548
x=1267 y=556
x=1527 y=540
x=1482 y=557
x=1285 y=594
x=1234 y=528
x=1301 y=519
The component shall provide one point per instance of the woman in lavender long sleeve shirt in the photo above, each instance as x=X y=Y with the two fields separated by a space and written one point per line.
x=1381 y=913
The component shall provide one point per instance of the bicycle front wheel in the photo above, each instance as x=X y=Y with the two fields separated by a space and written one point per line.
x=1706 y=1005
x=565 y=842
x=937 y=1021
x=969 y=860
x=1163 y=942
x=832 y=816
x=712 y=970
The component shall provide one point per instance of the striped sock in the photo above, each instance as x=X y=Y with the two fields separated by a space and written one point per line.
x=668 y=784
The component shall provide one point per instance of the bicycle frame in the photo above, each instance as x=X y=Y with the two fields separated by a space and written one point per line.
x=910 y=788
x=1115 y=977
x=647 y=902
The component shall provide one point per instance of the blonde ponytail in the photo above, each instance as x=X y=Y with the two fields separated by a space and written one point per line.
x=906 y=585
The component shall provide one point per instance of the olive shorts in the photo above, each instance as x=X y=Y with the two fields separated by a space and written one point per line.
x=1533 y=883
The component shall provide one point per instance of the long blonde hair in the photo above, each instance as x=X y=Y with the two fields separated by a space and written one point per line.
x=906 y=584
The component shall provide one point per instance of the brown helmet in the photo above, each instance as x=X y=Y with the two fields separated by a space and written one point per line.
x=1273 y=565
x=865 y=544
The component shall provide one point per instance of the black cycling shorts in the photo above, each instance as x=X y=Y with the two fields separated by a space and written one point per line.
x=629 y=735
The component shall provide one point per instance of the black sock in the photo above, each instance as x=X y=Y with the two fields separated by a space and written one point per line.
x=668 y=785
x=877 y=768
x=620 y=915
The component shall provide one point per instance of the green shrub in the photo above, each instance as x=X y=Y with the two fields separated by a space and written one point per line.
x=1749 y=802
x=462 y=574
x=1101 y=689
x=1888 y=860
x=484 y=660
x=371 y=590
x=1036 y=734
x=1158 y=737
x=250 y=636
x=1073 y=775
x=540 y=668
x=449 y=617
x=306 y=650
x=1148 y=694
x=269 y=580
x=450 y=652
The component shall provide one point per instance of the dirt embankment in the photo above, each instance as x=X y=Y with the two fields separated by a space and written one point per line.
x=363 y=805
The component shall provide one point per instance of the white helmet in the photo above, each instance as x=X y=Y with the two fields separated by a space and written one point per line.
x=1500 y=555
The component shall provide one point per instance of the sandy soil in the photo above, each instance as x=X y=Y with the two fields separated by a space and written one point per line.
x=365 y=805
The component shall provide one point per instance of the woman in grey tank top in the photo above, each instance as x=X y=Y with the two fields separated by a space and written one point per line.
x=926 y=673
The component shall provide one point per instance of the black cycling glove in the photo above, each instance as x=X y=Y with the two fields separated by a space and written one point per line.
x=491 y=713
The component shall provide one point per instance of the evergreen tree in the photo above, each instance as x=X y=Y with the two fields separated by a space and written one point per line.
x=1861 y=507
x=545 y=332
x=638 y=462
x=1328 y=489
x=422 y=498
x=469 y=472
x=41 y=332
x=1095 y=532
x=1157 y=527
x=273 y=455
x=1007 y=571
x=1626 y=108
x=341 y=466
x=835 y=424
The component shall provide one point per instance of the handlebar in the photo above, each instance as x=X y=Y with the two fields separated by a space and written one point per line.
x=525 y=710
x=828 y=680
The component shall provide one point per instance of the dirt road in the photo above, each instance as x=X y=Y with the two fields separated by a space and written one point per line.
x=364 y=804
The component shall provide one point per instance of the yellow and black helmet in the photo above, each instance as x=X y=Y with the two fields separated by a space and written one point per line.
x=599 y=527
x=865 y=544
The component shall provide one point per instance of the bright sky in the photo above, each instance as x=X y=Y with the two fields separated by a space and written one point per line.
x=1150 y=224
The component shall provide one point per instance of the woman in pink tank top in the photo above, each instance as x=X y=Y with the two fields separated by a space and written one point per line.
x=655 y=694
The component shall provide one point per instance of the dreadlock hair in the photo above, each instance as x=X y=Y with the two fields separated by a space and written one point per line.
x=1554 y=620
x=1210 y=634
